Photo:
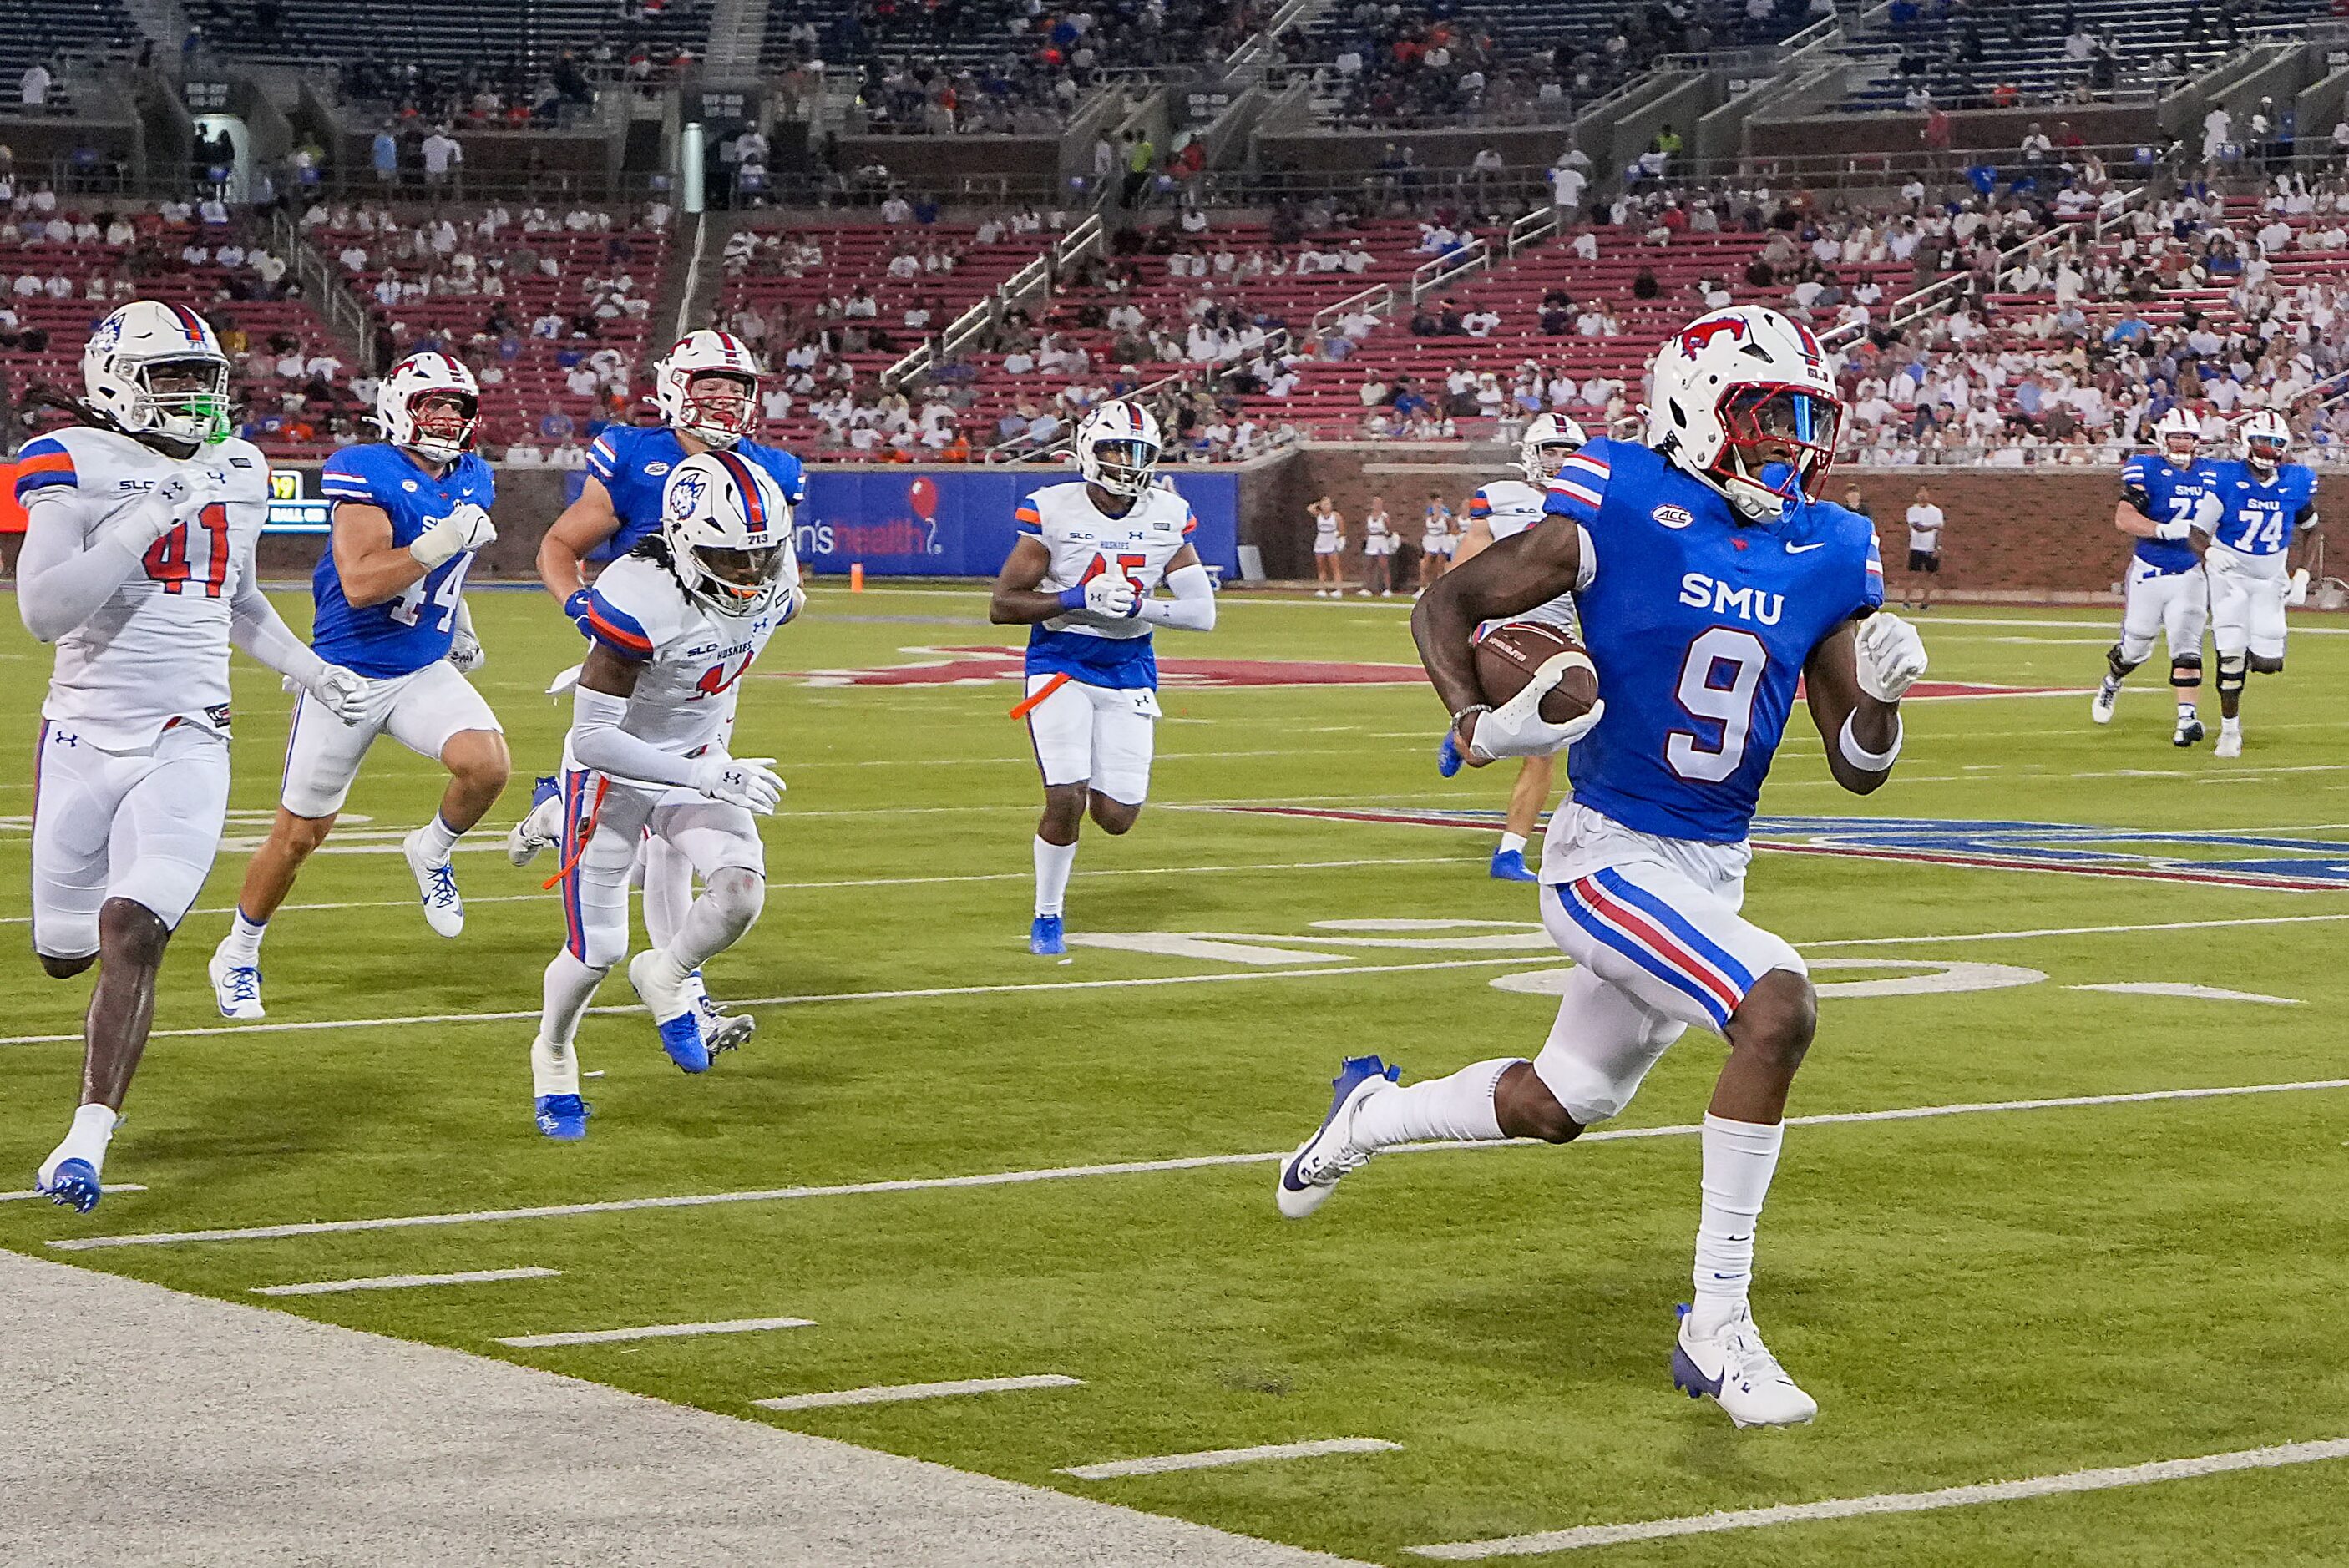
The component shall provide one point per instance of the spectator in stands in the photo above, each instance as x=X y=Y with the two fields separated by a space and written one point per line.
x=384 y=157
x=35 y=84
x=442 y=158
x=570 y=456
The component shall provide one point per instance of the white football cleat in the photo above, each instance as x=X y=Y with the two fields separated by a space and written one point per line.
x=1736 y=1371
x=1310 y=1175
x=541 y=827
x=236 y=987
x=2231 y=744
x=444 y=911
x=2101 y=710
x=722 y=1029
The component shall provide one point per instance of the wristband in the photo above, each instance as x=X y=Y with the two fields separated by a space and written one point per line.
x=1073 y=598
x=1860 y=757
x=576 y=608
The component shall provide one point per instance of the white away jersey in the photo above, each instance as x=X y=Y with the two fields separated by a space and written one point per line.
x=158 y=649
x=1509 y=507
x=691 y=658
x=1084 y=544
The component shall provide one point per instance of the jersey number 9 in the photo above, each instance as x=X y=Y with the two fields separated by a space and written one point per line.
x=1728 y=704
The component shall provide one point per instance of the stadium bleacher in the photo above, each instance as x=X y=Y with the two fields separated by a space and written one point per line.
x=51 y=31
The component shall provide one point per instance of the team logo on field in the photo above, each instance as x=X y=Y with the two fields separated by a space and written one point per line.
x=986 y=665
x=1673 y=516
x=2292 y=862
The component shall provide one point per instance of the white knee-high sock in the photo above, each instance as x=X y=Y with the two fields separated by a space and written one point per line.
x=668 y=890
x=1459 y=1107
x=1739 y=1158
x=570 y=986
x=1053 y=863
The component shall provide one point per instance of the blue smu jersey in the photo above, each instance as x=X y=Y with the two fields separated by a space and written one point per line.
x=413 y=629
x=1699 y=624
x=2166 y=493
x=2260 y=519
x=632 y=463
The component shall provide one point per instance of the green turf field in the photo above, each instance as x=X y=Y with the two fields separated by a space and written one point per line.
x=2001 y=1294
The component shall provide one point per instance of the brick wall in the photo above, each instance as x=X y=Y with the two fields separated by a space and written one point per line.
x=2008 y=532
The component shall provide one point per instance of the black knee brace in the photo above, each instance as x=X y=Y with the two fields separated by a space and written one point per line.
x=2231 y=667
x=2185 y=671
x=2265 y=667
x=2119 y=665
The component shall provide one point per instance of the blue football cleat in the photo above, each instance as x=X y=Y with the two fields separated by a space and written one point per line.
x=564 y=1115
x=681 y=1038
x=1448 y=761
x=1509 y=865
x=1308 y=1175
x=1044 y=939
x=672 y=1007
x=74 y=1185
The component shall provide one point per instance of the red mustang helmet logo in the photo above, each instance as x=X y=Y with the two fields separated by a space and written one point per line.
x=1693 y=340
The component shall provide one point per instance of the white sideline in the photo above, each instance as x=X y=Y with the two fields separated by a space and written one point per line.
x=402 y=1282
x=1124 y=1168
x=1887 y=1502
x=1213 y=1458
x=654 y=1331
x=889 y=1393
x=933 y=992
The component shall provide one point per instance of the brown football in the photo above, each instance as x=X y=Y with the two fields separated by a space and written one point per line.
x=1508 y=656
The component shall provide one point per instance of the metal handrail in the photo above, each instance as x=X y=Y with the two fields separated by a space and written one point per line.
x=1535 y=226
x=1473 y=257
x=1378 y=300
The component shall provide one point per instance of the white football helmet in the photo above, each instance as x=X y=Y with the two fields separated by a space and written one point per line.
x=2178 y=436
x=1550 y=440
x=2262 y=438
x=728 y=530
x=724 y=407
x=1733 y=383
x=156 y=369
x=431 y=404
x=1117 y=448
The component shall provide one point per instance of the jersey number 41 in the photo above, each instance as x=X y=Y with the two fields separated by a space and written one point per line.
x=167 y=558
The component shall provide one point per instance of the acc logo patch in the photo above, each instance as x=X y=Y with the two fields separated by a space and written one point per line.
x=1673 y=516
x=686 y=494
x=655 y=470
x=407 y=485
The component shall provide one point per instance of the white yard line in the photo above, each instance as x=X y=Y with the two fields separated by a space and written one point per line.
x=1888 y=1502
x=933 y=992
x=1123 y=1168
x=402 y=1282
x=890 y=1393
x=1215 y=1458
x=902 y=882
x=2198 y=993
x=655 y=1331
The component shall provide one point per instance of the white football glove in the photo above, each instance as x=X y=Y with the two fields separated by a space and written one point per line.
x=1891 y=655
x=1517 y=727
x=2296 y=593
x=157 y=513
x=465 y=652
x=744 y=781
x=1109 y=594
x=467 y=528
x=342 y=692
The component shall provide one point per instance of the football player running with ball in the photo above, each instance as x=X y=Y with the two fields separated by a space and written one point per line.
x=673 y=626
x=141 y=523
x=1708 y=580
x=411 y=514
x=1082 y=578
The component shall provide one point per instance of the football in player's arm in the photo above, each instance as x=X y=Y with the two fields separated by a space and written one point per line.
x=1708 y=579
x=411 y=512
x=138 y=563
x=1082 y=578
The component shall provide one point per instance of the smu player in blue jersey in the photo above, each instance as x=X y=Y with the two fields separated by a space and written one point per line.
x=1708 y=580
x=2162 y=498
x=411 y=514
x=2264 y=504
x=706 y=390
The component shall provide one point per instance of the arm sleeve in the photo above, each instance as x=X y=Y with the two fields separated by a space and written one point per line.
x=1193 y=608
x=64 y=574
x=606 y=623
x=255 y=626
x=1579 y=487
x=597 y=741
